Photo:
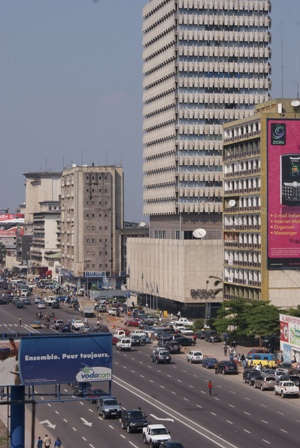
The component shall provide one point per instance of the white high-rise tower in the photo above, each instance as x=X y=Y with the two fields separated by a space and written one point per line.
x=206 y=62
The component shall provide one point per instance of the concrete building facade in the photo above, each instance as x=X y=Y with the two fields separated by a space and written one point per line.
x=92 y=215
x=261 y=205
x=205 y=63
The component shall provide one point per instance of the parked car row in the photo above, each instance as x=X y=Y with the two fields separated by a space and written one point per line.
x=277 y=380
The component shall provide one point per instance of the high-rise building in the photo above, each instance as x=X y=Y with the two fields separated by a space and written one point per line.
x=206 y=62
x=261 y=213
x=92 y=215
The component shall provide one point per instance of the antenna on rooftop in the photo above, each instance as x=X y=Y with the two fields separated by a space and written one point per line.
x=282 y=60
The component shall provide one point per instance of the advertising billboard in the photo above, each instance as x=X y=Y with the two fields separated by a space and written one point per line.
x=283 y=197
x=40 y=359
x=289 y=336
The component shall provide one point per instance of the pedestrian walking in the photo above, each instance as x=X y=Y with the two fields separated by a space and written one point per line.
x=47 y=441
x=209 y=385
x=58 y=442
x=39 y=443
x=216 y=366
x=20 y=320
x=194 y=339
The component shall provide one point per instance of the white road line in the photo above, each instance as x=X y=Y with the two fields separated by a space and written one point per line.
x=49 y=405
x=74 y=429
x=263 y=405
x=246 y=398
x=172 y=392
x=81 y=403
x=213 y=414
x=266 y=441
x=56 y=412
x=133 y=371
x=264 y=421
x=247 y=413
x=246 y=430
x=170 y=376
x=91 y=410
x=228 y=421
x=92 y=446
x=233 y=392
x=122 y=435
x=142 y=376
x=83 y=438
x=198 y=406
x=196 y=376
x=179 y=381
x=192 y=387
x=151 y=381
x=135 y=446
x=65 y=420
x=186 y=399
x=281 y=413
x=111 y=426
x=218 y=399
x=231 y=405
x=283 y=430
x=162 y=386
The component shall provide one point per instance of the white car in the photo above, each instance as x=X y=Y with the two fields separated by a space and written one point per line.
x=37 y=300
x=186 y=331
x=285 y=388
x=41 y=305
x=77 y=324
x=194 y=356
x=184 y=321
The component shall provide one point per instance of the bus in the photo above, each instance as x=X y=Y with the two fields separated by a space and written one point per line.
x=265 y=359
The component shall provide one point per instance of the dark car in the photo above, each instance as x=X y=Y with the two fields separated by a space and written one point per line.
x=81 y=389
x=227 y=367
x=184 y=342
x=94 y=394
x=173 y=347
x=55 y=305
x=247 y=373
x=209 y=363
x=133 y=420
x=136 y=340
x=253 y=377
x=65 y=328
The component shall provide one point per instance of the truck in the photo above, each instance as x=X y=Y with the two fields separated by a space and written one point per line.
x=87 y=308
x=155 y=434
x=286 y=388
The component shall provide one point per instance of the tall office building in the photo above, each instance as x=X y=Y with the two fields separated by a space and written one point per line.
x=92 y=215
x=261 y=213
x=206 y=62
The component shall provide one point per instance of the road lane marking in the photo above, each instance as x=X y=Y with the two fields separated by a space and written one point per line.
x=213 y=414
x=56 y=412
x=172 y=392
x=179 y=381
x=283 y=430
x=228 y=421
x=247 y=413
x=83 y=438
x=65 y=420
x=191 y=424
x=266 y=441
x=162 y=386
x=263 y=405
x=74 y=429
x=122 y=435
x=186 y=399
x=135 y=446
x=231 y=405
x=246 y=430
x=264 y=421
x=192 y=387
x=111 y=426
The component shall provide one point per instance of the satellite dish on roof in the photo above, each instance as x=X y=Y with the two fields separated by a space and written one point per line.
x=74 y=165
x=199 y=233
x=295 y=103
x=231 y=203
x=142 y=224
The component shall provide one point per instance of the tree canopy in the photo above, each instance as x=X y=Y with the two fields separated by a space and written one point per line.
x=257 y=318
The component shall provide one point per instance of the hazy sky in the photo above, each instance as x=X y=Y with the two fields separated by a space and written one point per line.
x=71 y=87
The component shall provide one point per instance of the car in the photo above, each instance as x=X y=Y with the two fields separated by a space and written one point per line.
x=290 y=377
x=55 y=305
x=19 y=304
x=108 y=406
x=77 y=324
x=57 y=323
x=133 y=420
x=85 y=329
x=255 y=374
x=37 y=300
x=36 y=324
x=213 y=339
x=209 y=363
x=81 y=389
x=171 y=444
x=41 y=305
x=248 y=373
x=94 y=394
x=114 y=312
x=160 y=355
x=154 y=434
x=172 y=346
x=132 y=322
x=183 y=341
x=186 y=331
x=185 y=322
x=194 y=356
x=200 y=334
x=65 y=328
x=265 y=382
x=124 y=344
x=286 y=388
x=136 y=340
x=227 y=367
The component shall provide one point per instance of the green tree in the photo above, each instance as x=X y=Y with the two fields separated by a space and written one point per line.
x=293 y=311
x=262 y=319
x=231 y=315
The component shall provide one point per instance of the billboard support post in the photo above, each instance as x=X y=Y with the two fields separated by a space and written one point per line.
x=17 y=436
